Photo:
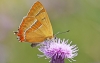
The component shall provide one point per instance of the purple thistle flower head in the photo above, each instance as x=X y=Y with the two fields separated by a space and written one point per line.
x=57 y=50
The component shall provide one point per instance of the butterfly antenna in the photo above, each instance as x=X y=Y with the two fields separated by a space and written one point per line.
x=61 y=32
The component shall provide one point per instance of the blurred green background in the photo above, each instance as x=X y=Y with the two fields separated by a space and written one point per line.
x=81 y=17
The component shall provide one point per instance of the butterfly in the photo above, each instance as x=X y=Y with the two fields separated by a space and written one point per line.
x=36 y=26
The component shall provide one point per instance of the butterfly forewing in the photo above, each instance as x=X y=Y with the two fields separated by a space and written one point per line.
x=36 y=8
x=41 y=30
x=43 y=18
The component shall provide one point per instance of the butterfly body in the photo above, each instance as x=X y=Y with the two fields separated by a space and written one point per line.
x=36 y=26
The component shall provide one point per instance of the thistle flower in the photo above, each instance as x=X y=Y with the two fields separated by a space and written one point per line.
x=57 y=50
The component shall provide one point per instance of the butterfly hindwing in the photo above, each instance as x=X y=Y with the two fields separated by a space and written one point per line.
x=26 y=23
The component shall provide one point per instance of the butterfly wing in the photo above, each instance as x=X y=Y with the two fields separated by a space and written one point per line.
x=42 y=28
x=36 y=26
x=39 y=31
x=36 y=9
x=26 y=23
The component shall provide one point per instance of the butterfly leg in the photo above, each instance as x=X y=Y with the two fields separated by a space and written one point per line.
x=34 y=44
